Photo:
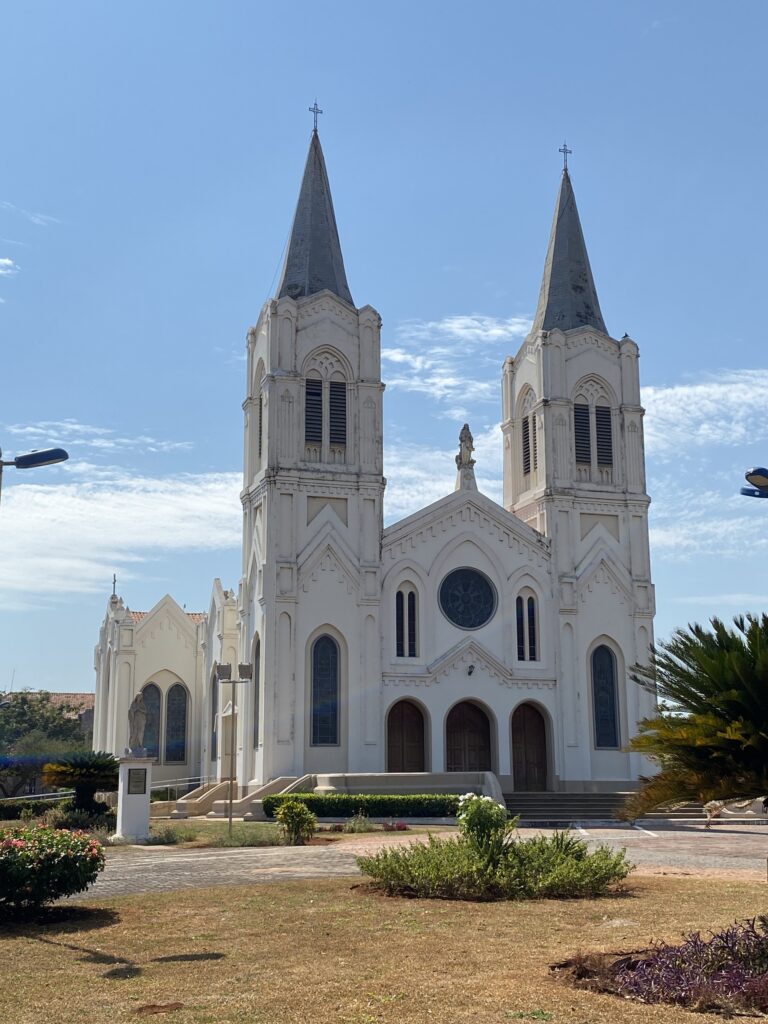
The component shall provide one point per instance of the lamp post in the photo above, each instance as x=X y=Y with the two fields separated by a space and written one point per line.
x=47 y=457
x=224 y=675
x=758 y=478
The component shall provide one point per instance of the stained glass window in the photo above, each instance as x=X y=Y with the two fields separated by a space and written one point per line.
x=604 y=697
x=325 y=692
x=532 y=648
x=467 y=598
x=520 y=616
x=176 y=724
x=152 y=729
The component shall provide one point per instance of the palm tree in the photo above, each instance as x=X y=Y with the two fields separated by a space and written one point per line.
x=710 y=734
x=85 y=773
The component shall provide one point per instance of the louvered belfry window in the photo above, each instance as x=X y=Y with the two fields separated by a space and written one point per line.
x=526 y=446
x=261 y=421
x=338 y=409
x=313 y=412
x=603 y=438
x=534 y=443
x=581 y=433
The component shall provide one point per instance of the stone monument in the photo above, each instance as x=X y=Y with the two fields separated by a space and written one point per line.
x=135 y=779
x=465 y=464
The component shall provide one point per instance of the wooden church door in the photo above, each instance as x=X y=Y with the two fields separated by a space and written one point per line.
x=529 y=749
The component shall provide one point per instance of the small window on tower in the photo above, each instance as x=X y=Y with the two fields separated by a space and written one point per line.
x=338 y=409
x=534 y=443
x=313 y=411
x=582 y=439
x=604 y=438
x=526 y=446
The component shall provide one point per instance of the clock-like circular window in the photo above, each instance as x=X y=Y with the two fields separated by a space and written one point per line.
x=467 y=598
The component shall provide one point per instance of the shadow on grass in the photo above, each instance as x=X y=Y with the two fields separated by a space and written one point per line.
x=77 y=919
x=62 y=917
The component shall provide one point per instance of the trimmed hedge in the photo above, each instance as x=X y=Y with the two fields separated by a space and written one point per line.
x=10 y=810
x=374 y=805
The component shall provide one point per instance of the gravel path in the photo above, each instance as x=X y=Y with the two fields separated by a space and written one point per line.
x=733 y=851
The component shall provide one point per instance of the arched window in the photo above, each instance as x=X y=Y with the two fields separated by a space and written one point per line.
x=325 y=406
x=529 y=451
x=406 y=622
x=256 y=691
x=214 y=716
x=526 y=622
x=604 y=702
x=325 y=692
x=176 y=724
x=593 y=431
x=152 y=699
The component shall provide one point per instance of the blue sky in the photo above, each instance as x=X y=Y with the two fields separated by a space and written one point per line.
x=152 y=155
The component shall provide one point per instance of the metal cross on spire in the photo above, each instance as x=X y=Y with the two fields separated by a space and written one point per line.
x=564 y=150
x=114 y=584
x=315 y=110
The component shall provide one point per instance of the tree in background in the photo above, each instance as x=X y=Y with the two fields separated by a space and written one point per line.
x=710 y=734
x=32 y=730
x=85 y=772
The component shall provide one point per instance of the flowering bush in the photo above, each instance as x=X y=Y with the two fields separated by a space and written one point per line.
x=39 y=865
x=486 y=863
x=484 y=824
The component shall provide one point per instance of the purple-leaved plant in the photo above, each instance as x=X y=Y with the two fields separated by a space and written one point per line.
x=728 y=969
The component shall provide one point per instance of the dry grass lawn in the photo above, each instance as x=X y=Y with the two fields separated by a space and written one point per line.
x=316 y=952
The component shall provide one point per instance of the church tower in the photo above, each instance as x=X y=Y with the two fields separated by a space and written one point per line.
x=312 y=505
x=574 y=469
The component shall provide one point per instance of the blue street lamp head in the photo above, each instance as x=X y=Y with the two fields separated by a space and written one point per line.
x=758 y=477
x=753 y=492
x=47 y=457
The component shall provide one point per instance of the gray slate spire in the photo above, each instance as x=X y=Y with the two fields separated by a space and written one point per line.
x=568 y=297
x=314 y=259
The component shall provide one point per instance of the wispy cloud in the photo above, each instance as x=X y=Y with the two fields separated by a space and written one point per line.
x=456 y=360
x=8 y=266
x=723 y=409
x=65 y=538
x=41 y=219
x=417 y=476
x=83 y=435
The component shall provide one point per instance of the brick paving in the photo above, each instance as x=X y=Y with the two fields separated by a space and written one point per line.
x=689 y=849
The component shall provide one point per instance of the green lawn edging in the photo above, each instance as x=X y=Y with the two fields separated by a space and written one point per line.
x=379 y=805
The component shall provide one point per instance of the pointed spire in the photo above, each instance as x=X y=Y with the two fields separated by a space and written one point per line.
x=568 y=297
x=314 y=259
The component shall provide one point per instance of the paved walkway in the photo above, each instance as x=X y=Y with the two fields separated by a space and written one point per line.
x=733 y=850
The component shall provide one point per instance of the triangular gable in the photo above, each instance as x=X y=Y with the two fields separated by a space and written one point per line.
x=468 y=652
x=461 y=510
x=327 y=552
x=601 y=572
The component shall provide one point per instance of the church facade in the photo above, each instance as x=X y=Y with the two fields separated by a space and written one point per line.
x=470 y=636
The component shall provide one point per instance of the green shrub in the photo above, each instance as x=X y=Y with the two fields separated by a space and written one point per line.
x=12 y=810
x=67 y=815
x=297 y=822
x=558 y=866
x=39 y=865
x=375 y=805
x=359 y=822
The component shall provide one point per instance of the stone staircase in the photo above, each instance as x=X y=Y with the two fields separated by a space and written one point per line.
x=568 y=808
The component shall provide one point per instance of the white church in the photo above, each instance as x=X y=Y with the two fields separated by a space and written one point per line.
x=468 y=637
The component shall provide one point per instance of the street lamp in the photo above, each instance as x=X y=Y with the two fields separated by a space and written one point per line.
x=758 y=477
x=224 y=675
x=47 y=457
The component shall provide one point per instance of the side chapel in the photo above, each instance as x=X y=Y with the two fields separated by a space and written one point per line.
x=468 y=636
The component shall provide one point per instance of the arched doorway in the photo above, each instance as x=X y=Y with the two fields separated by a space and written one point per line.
x=405 y=738
x=529 y=749
x=467 y=739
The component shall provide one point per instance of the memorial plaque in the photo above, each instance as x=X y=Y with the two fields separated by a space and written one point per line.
x=137 y=781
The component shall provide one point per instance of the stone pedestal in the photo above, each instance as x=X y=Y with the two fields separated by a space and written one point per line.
x=135 y=780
